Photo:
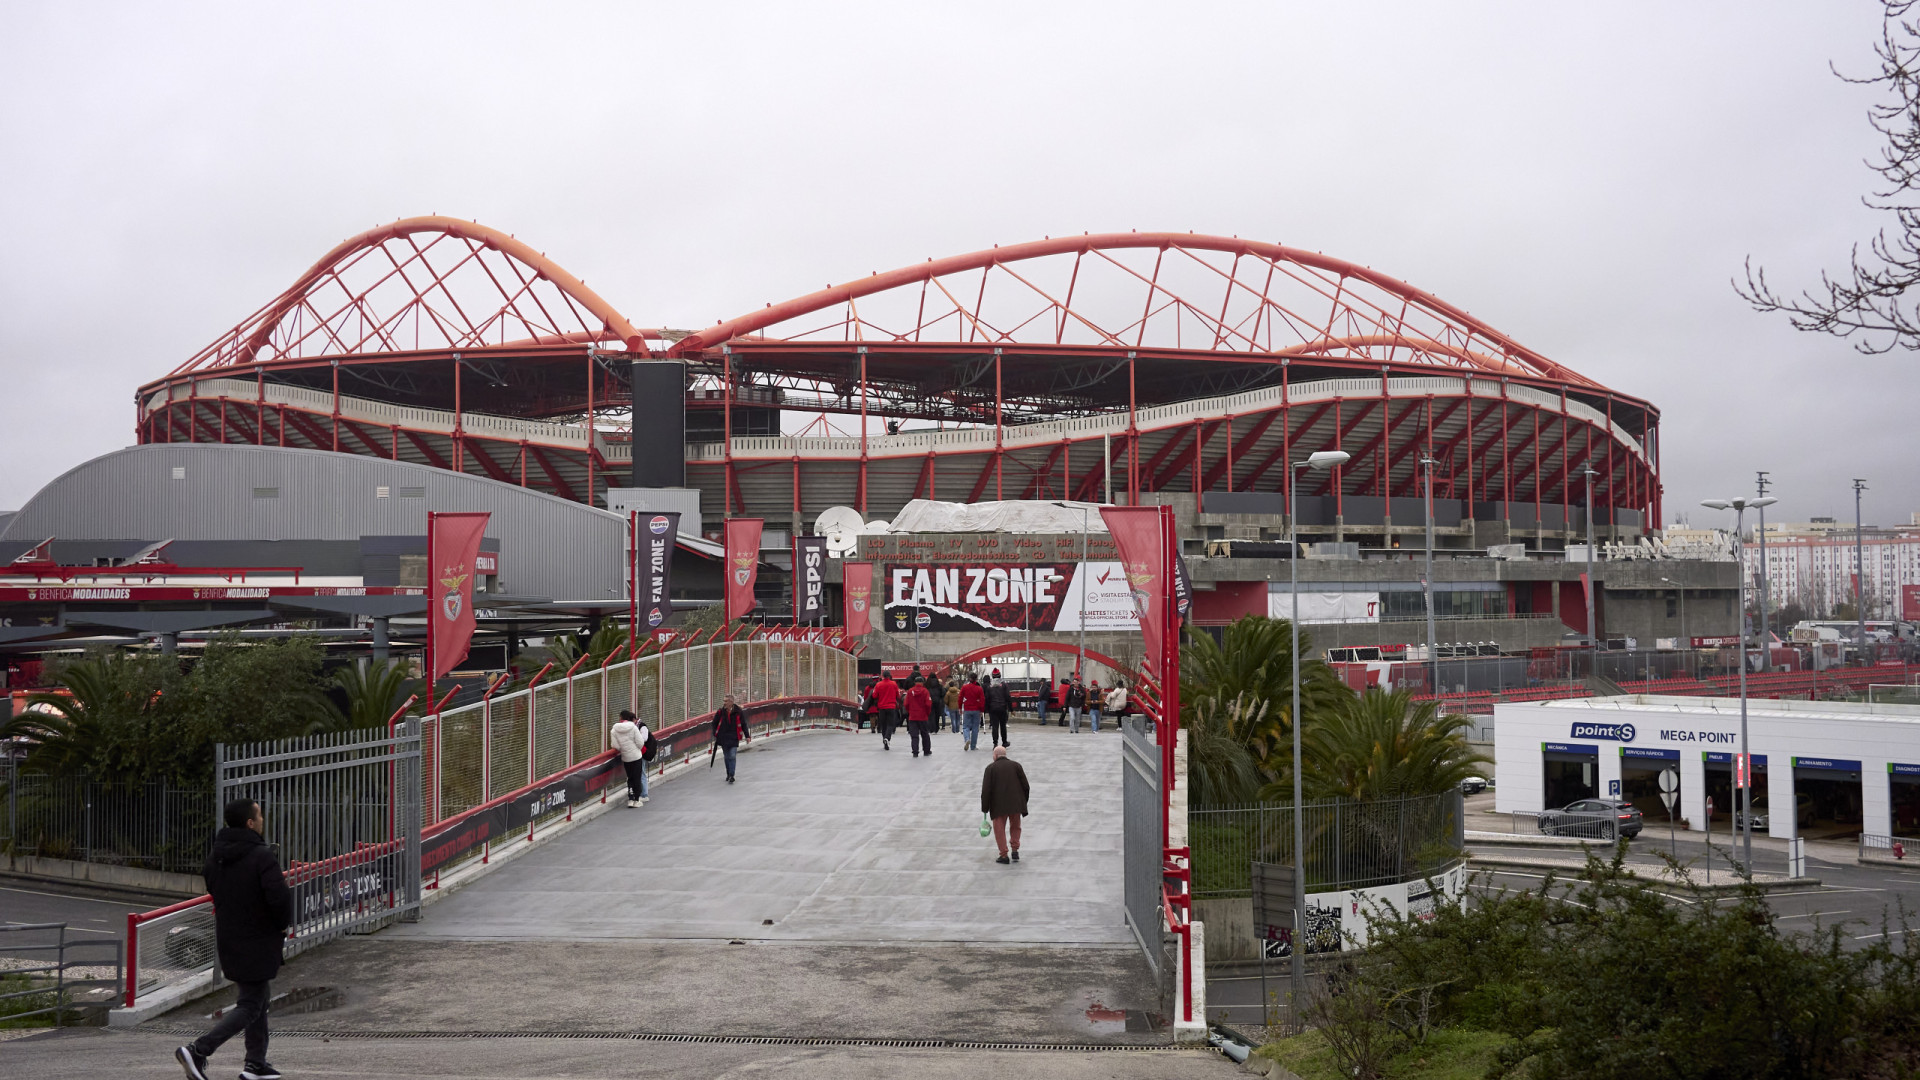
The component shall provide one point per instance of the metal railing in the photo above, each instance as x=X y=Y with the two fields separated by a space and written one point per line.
x=41 y=977
x=510 y=752
x=1873 y=845
x=151 y=825
x=1598 y=827
x=1350 y=844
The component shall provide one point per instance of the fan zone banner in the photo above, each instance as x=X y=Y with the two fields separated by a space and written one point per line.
x=809 y=578
x=857 y=591
x=743 y=564
x=655 y=536
x=1049 y=596
x=453 y=547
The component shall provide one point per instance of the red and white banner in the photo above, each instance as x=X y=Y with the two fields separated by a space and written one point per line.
x=453 y=549
x=743 y=564
x=1136 y=532
x=857 y=597
x=1049 y=596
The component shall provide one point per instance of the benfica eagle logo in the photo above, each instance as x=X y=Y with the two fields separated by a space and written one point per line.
x=859 y=603
x=741 y=575
x=452 y=602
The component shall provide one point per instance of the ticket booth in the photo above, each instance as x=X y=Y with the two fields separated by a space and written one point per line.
x=1571 y=773
x=1827 y=796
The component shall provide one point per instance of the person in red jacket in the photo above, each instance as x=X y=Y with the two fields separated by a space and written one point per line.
x=886 y=700
x=729 y=727
x=920 y=719
x=973 y=701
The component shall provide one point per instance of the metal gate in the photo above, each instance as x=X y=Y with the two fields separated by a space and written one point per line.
x=1144 y=858
x=343 y=814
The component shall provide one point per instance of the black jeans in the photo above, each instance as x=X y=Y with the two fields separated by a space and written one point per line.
x=919 y=736
x=889 y=718
x=997 y=728
x=249 y=1013
x=636 y=778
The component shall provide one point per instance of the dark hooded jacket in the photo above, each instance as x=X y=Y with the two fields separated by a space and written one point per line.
x=252 y=906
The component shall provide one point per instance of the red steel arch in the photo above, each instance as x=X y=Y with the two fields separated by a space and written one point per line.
x=1248 y=302
x=364 y=295
x=1048 y=646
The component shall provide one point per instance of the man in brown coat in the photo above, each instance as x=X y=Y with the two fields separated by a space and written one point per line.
x=1003 y=797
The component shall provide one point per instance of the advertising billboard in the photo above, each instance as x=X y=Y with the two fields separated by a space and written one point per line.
x=1046 y=596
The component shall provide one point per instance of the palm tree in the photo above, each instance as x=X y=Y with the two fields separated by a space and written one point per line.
x=101 y=721
x=1219 y=766
x=1385 y=745
x=1253 y=665
x=373 y=695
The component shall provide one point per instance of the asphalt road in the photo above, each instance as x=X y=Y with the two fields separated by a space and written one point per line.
x=87 y=914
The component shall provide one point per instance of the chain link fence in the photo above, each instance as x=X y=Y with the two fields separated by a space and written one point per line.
x=151 y=825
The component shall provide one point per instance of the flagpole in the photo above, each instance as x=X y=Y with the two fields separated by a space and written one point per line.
x=429 y=583
x=633 y=577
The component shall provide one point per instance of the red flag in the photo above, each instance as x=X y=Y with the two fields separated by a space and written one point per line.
x=453 y=546
x=743 y=564
x=857 y=597
x=1136 y=533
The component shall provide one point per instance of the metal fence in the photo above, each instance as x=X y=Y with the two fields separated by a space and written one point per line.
x=1143 y=855
x=149 y=824
x=1874 y=846
x=1349 y=844
x=46 y=973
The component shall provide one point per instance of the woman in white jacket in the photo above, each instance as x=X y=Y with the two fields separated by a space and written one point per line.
x=1117 y=701
x=630 y=738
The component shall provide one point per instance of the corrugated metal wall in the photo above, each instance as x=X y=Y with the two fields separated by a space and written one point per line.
x=549 y=546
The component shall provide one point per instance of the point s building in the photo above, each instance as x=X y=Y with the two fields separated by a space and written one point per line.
x=1844 y=768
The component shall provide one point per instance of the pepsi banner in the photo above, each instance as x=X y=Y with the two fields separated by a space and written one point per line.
x=809 y=578
x=655 y=536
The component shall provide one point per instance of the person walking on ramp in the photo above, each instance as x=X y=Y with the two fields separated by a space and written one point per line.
x=999 y=704
x=729 y=727
x=1003 y=797
x=631 y=737
x=886 y=698
x=252 y=908
x=920 y=719
x=973 y=701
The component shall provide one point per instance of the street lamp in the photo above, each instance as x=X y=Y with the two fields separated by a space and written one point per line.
x=1325 y=459
x=1426 y=585
x=1859 y=571
x=1739 y=508
x=1766 y=580
x=1593 y=631
x=1682 y=590
x=1049 y=579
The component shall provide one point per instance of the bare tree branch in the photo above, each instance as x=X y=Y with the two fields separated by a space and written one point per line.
x=1870 y=302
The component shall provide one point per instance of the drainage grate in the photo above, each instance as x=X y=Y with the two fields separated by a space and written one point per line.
x=738 y=1040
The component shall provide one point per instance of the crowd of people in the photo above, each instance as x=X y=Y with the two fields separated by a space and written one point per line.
x=926 y=704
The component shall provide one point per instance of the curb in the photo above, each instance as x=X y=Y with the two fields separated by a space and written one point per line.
x=1775 y=885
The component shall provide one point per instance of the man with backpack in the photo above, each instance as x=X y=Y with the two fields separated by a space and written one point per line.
x=1076 y=701
x=999 y=704
x=636 y=747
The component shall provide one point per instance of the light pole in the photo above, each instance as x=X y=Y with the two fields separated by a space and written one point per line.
x=1426 y=584
x=1739 y=508
x=1325 y=459
x=1766 y=578
x=1081 y=660
x=1686 y=642
x=1593 y=630
x=1049 y=579
x=1859 y=570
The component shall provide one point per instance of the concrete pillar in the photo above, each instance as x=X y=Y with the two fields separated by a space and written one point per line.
x=380 y=640
x=169 y=643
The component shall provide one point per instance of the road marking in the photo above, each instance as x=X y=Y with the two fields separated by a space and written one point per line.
x=67 y=896
x=1810 y=915
x=74 y=929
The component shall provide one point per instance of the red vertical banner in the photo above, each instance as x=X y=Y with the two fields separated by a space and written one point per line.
x=857 y=597
x=453 y=547
x=743 y=564
x=1136 y=533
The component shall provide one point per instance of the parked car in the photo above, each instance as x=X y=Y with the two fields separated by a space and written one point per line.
x=1474 y=785
x=1592 y=818
x=1802 y=806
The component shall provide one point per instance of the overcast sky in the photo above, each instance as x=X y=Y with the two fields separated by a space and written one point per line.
x=1586 y=178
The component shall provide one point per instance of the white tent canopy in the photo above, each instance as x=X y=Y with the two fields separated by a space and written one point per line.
x=1010 y=516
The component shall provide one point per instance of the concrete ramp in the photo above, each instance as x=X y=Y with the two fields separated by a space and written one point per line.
x=826 y=838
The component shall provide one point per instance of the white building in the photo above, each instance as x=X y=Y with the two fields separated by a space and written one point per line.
x=1817 y=572
x=1845 y=767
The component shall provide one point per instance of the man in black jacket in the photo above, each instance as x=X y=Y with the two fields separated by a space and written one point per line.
x=999 y=704
x=252 y=908
x=729 y=727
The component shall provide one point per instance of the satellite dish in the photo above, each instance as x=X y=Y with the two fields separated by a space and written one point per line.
x=840 y=545
x=876 y=527
x=838 y=519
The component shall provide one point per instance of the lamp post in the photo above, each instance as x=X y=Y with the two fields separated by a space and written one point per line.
x=1682 y=590
x=1325 y=459
x=1766 y=579
x=1859 y=570
x=1426 y=585
x=1739 y=508
x=1049 y=579
x=1593 y=630
x=1081 y=660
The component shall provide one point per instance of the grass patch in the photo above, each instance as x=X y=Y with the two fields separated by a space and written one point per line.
x=1448 y=1054
x=12 y=1007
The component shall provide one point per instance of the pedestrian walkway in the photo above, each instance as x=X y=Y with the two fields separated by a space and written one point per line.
x=826 y=839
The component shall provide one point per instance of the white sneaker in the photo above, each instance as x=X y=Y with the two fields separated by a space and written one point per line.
x=632 y=803
x=644 y=799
